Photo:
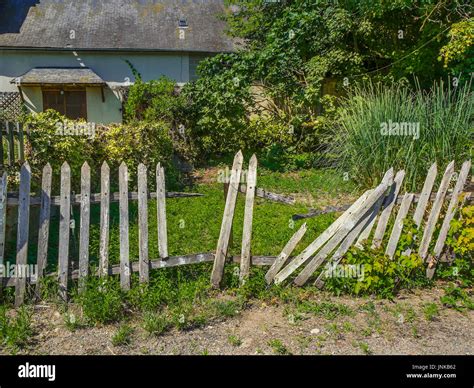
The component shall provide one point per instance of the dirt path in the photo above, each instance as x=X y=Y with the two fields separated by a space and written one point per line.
x=365 y=326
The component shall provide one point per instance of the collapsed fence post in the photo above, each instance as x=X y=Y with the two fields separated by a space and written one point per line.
x=84 y=224
x=143 y=224
x=124 y=236
x=248 y=216
x=223 y=242
x=22 y=236
x=425 y=195
x=104 y=219
x=161 y=212
x=64 y=230
x=43 y=233
x=398 y=225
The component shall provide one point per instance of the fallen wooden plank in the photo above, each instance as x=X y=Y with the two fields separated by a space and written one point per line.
x=84 y=225
x=398 y=225
x=319 y=241
x=248 y=218
x=348 y=225
x=43 y=233
x=364 y=235
x=22 y=234
x=143 y=260
x=443 y=233
x=227 y=219
x=435 y=211
x=285 y=253
x=123 y=221
x=366 y=219
x=104 y=218
x=262 y=193
x=161 y=212
x=388 y=204
x=425 y=194
x=64 y=230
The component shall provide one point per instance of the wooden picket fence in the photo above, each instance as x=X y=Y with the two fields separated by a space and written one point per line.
x=12 y=140
x=354 y=227
x=375 y=206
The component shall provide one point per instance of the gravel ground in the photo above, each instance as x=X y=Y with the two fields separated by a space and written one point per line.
x=392 y=327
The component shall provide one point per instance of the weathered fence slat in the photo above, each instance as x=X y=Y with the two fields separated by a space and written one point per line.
x=21 y=145
x=84 y=223
x=104 y=219
x=349 y=224
x=274 y=197
x=144 y=263
x=43 y=233
x=448 y=218
x=435 y=211
x=22 y=235
x=161 y=212
x=367 y=218
x=425 y=194
x=227 y=219
x=2 y=156
x=248 y=218
x=285 y=253
x=319 y=241
x=388 y=178
x=388 y=205
x=124 y=236
x=11 y=145
x=3 y=215
x=398 y=225
x=64 y=230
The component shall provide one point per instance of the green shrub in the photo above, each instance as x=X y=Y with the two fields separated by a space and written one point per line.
x=123 y=336
x=444 y=114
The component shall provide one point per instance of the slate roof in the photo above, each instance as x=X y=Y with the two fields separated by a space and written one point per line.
x=60 y=75
x=114 y=25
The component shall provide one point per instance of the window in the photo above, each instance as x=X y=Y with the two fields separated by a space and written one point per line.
x=70 y=103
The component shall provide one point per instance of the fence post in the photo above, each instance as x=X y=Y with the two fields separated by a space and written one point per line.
x=161 y=212
x=104 y=219
x=84 y=225
x=143 y=224
x=124 y=240
x=2 y=162
x=11 y=145
x=64 y=230
x=22 y=235
x=43 y=234
x=3 y=220
x=21 y=145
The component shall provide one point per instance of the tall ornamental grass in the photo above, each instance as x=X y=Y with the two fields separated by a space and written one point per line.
x=378 y=130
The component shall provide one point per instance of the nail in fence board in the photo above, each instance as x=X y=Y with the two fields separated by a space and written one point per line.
x=425 y=195
x=104 y=219
x=3 y=215
x=285 y=253
x=143 y=260
x=161 y=212
x=398 y=225
x=84 y=223
x=388 y=205
x=22 y=235
x=466 y=167
x=124 y=237
x=227 y=219
x=388 y=178
x=319 y=241
x=248 y=217
x=64 y=230
x=348 y=225
x=435 y=211
x=43 y=233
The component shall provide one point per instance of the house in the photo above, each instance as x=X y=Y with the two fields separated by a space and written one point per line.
x=76 y=56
